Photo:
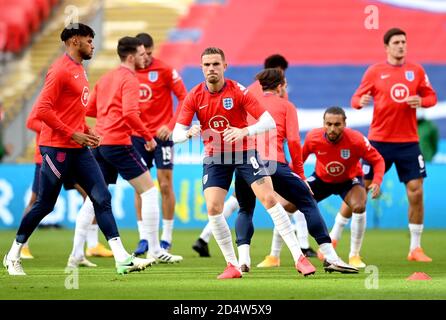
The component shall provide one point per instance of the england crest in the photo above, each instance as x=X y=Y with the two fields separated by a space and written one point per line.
x=153 y=76
x=345 y=154
x=228 y=103
x=410 y=75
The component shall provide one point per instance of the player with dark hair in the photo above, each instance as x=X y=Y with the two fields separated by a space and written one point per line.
x=114 y=103
x=64 y=144
x=398 y=88
x=157 y=82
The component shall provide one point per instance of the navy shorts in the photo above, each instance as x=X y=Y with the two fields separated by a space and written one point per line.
x=68 y=184
x=285 y=182
x=219 y=169
x=163 y=153
x=122 y=159
x=322 y=189
x=409 y=161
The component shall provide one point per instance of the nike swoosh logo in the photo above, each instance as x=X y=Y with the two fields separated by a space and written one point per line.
x=385 y=76
x=76 y=76
x=321 y=153
x=203 y=107
x=166 y=163
x=256 y=173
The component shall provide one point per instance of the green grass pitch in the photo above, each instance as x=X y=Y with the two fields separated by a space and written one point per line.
x=195 y=278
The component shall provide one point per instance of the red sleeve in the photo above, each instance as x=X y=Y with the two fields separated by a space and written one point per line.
x=306 y=150
x=92 y=109
x=130 y=107
x=372 y=156
x=293 y=138
x=33 y=123
x=49 y=95
x=187 y=110
x=365 y=87
x=251 y=104
x=179 y=90
x=427 y=94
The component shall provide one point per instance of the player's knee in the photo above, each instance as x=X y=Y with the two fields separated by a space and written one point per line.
x=358 y=207
x=214 y=208
x=415 y=191
x=268 y=200
x=102 y=200
x=165 y=188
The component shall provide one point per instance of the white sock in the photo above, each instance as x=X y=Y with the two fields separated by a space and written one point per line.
x=415 y=235
x=150 y=213
x=243 y=254
x=83 y=221
x=286 y=230
x=167 y=230
x=142 y=230
x=222 y=235
x=276 y=244
x=14 y=252
x=338 y=227
x=229 y=207
x=92 y=236
x=301 y=229
x=118 y=250
x=357 y=230
x=329 y=252
x=206 y=233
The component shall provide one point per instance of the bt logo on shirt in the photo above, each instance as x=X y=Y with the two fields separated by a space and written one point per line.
x=145 y=92
x=399 y=92
x=335 y=168
x=218 y=124
x=84 y=96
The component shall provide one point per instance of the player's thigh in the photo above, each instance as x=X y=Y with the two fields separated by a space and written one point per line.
x=388 y=154
x=410 y=163
x=165 y=179
x=89 y=176
x=164 y=154
x=215 y=198
x=321 y=189
x=109 y=172
x=217 y=175
x=146 y=157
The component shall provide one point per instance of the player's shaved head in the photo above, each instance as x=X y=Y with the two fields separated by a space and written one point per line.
x=335 y=110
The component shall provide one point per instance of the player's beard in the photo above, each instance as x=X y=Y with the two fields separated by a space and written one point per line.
x=86 y=55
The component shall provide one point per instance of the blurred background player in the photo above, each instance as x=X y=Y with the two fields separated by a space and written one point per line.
x=398 y=88
x=429 y=136
x=231 y=204
x=114 y=103
x=64 y=142
x=157 y=83
x=222 y=106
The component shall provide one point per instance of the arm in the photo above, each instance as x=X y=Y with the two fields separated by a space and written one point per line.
x=179 y=90
x=293 y=138
x=33 y=123
x=49 y=95
x=92 y=109
x=363 y=95
x=426 y=92
x=130 y=107
x=372 y=156
x=185 y=116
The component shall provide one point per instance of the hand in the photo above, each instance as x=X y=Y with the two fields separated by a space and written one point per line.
x=232 y=134
x=375 y=190
x=92 y=131
x=193 y=131
x=309 y=188
x=163 y=133
x=365 y=99
x=414 y=101
x=85 y=139
x=150 y=145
